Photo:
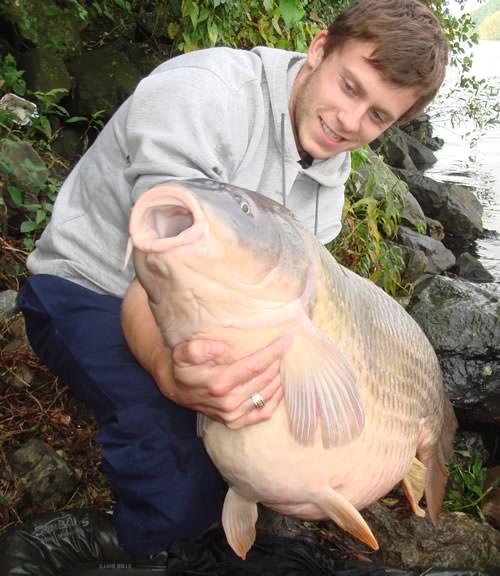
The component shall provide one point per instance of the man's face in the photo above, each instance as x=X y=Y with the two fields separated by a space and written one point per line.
x=341 y=102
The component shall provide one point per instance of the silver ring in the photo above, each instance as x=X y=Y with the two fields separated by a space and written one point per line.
x=257 y=400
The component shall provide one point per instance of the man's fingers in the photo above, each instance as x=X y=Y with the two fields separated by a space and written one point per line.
x=255 y=398
x=260 y=360
x=255 y=415
x=250 y=368
x=197 y=351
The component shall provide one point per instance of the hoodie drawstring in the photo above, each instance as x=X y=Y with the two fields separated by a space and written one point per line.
x=283 y=179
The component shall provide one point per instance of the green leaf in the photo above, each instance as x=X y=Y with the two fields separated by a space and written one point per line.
x=193 y=14
x=291 y=12
x=213 y=31
x=204 y=14
x=41 y=216
x=45 y=126
x=75 y=119
x=276 y=25
x=15 y=195
x=28 y=226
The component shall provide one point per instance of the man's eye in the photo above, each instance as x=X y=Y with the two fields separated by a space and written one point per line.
x=377 y=117
x=347 y=86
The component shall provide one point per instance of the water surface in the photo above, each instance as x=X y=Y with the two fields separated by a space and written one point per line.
x=479 y=166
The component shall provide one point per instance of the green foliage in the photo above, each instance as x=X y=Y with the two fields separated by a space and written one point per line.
x=194 y=24
x=474 y=103
x=11 y=79
x=466 y=483
x=33 y=213
x=461 y=32
x=369 y=221
x=110 y=9
x=469 y=100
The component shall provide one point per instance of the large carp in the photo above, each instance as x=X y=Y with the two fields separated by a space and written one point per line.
x=364 y=405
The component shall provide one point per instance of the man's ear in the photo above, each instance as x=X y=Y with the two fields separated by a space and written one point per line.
x=317 y=49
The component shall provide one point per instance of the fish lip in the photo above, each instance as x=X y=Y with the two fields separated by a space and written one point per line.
x=145 y=238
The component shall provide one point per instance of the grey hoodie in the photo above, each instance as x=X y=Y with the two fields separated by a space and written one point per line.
x=218 y=113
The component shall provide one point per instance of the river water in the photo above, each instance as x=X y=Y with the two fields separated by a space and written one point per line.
x=477 y=167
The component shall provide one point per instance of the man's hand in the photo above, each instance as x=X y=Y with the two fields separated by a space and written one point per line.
x=224 y=391
x=193 y=375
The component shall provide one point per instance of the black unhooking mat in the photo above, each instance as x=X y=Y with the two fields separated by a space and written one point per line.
x=84 y=543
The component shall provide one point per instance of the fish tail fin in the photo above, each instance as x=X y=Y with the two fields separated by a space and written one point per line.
x=238 y=520
x=343 y=513
x=435 y=459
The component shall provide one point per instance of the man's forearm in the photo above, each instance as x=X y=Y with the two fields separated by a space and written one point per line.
x=144 y=339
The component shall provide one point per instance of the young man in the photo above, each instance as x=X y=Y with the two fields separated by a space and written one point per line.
x=278 y=122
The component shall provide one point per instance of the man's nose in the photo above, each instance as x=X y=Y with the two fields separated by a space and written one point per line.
x=350 y=119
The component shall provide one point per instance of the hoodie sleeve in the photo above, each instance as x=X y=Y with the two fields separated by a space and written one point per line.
x=184 y=123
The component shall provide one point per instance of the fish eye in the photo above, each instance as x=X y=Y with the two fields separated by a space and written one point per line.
x=245 y=207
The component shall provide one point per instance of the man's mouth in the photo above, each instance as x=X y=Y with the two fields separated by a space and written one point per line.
x=330 y=133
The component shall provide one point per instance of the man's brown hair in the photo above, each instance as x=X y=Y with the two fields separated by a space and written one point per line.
x=411 y=47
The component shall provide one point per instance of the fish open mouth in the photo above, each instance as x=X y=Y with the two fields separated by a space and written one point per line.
x=166 y=217
x=170 y=220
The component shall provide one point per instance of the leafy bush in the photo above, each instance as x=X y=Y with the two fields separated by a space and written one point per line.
x=369 y=222
x=466 y=483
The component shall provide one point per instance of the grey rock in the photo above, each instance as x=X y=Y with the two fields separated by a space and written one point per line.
x=491 y=503
x=8 y=305
x=44 y=70
x=406 y=541
x=25 y=169
x=439 y=258
x=15 y=342
x=462 y=321
x=46 y=476
x=36 y=21
x=456 y=207
x=401 y=150
x=434 y=228
x=470 y=268
x=104 y=78
x=415 y=262
x=422 y=129
x=69 y=143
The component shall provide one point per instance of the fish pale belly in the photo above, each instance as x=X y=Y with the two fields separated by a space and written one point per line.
x=264 y=463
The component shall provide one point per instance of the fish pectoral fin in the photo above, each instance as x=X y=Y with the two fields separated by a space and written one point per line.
x=238 y=520
x=413 y=486
x=320 y=388
x=343 y=513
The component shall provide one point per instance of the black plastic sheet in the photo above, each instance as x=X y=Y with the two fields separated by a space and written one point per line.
x=84 y=543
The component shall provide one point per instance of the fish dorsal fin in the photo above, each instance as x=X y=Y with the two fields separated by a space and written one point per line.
x=413 y=485
x=239 y=517
x=343 y=513
x=320 y=389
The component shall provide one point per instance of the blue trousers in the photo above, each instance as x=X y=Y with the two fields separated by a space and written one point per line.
x=165 y=485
